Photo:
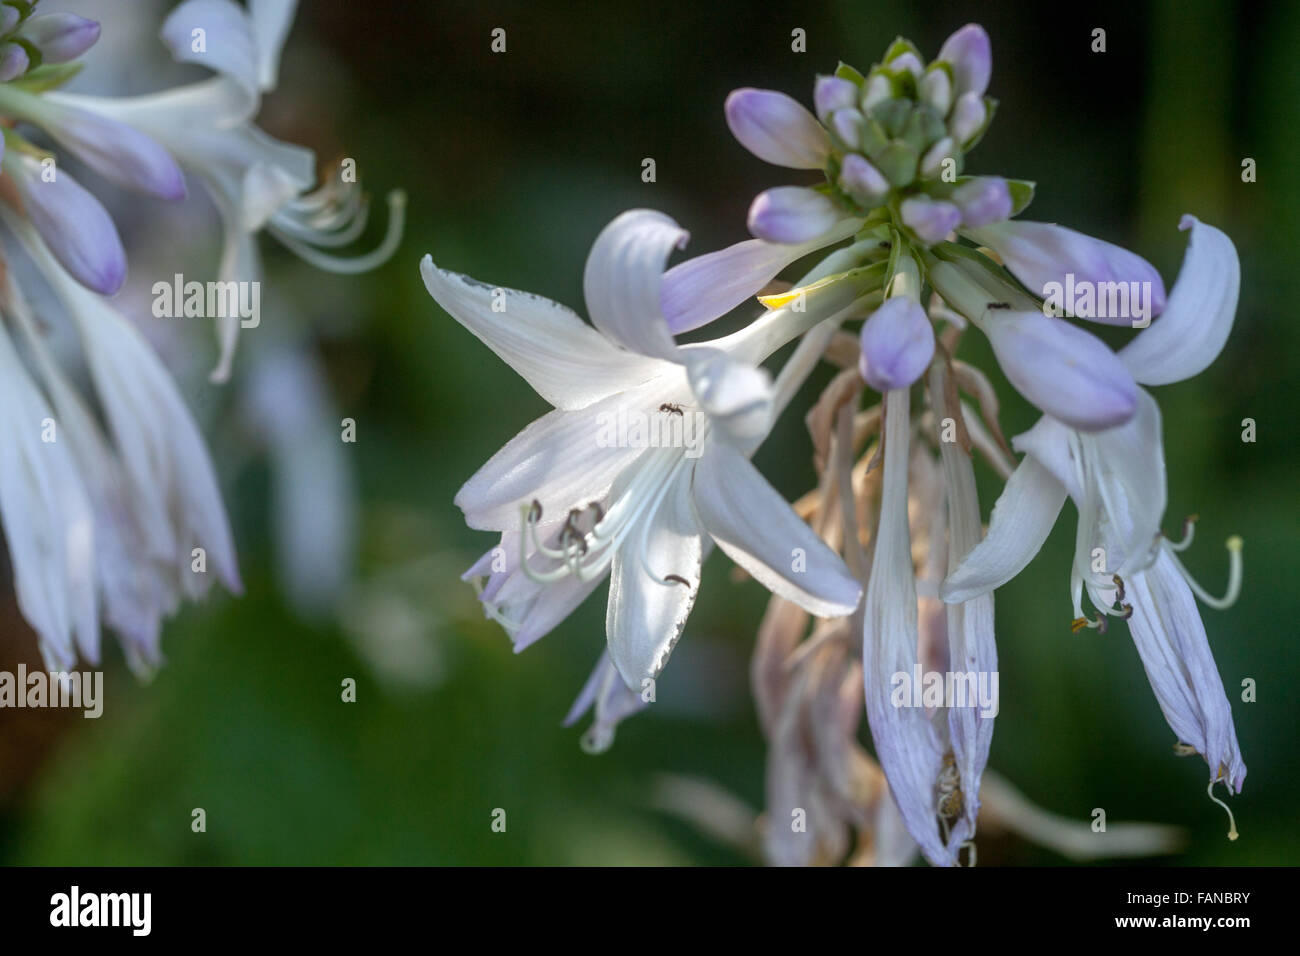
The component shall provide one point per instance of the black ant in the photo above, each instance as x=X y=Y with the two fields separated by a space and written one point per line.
x=671 y=407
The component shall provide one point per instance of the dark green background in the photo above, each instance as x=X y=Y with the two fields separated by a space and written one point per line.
x=513 y=164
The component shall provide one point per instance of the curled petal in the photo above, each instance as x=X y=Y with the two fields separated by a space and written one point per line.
x=737 y=397
x=271 y=22
x=1198 y=317
x=623 y=281
x=217 y=34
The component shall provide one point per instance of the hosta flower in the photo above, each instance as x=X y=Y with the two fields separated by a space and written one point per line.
x=896 y=493
x=573 y=508
x=111 y=508
x=1116 y=478
x=257 y=182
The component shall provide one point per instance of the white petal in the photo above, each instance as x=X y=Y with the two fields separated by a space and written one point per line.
x=226 y=43
x=971 y=645
x=612 y=700
x=758 y=530
x=271 y=22
x=907 y=745
x=737 y=397
x=166 y=461
x=1051 y=444
x=556 y=461
x=569 y=363
x=1170 y=637
x=646 y=612
x=1126 y=468
x=1022 y=518
x=1196 y=321
x=624 y=277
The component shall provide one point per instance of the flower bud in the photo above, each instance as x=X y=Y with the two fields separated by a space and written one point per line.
x=833 y=93
x=77 y=229
x=119 y=153
x=60 y=36
x=776 y=129
x=909 y=62
x=983 y=201
x=930 y=219
x=792 y=214
x=970 y=54
x=877 y=90
x=866 y=184
x=936 y=90
x=13 y=61
x=932 y=161
x=968 y=116
x=897 y=345
x=847 y=125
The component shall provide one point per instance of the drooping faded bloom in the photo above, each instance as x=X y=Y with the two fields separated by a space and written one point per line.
x=643 y=465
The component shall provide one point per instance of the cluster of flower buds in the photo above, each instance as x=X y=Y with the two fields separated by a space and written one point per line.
x=895 y=138
x=28 y=42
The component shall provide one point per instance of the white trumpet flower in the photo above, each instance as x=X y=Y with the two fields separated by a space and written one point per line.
x=573 y=508
x=1116 y=478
